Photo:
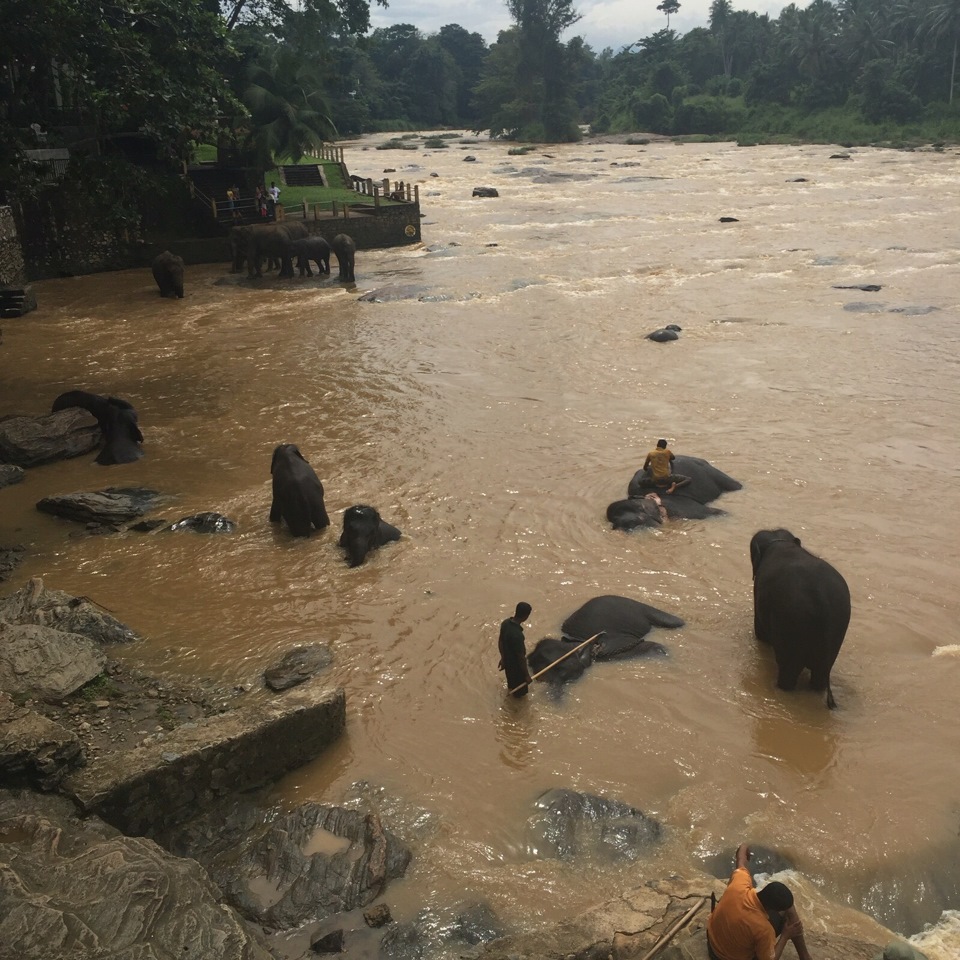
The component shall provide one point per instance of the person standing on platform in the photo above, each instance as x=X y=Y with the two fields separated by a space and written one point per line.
x=513 y=651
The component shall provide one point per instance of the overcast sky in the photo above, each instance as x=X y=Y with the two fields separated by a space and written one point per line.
x=605 y=23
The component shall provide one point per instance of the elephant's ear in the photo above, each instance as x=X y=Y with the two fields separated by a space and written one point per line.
x=796 y=540
x=273 y=461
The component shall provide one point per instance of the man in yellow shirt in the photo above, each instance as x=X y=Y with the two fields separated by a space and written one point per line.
x=659 y=464
x=753 y=925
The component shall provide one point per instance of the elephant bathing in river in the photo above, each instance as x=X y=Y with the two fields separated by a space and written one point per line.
x=801 y=607
x=688 y=503
x=273 y=240
x=117 y=420
x=310 y=248
x=363 y=531
x=168 y=272
x=345 y=251
x=624 y=623
x=297 y=492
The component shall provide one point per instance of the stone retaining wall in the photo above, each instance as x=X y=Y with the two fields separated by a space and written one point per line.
x=164 y=782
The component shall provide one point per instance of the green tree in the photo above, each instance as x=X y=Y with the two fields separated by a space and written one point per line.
x=668 y=7
x=942 y=22
x=288 y=110
x=468 y=51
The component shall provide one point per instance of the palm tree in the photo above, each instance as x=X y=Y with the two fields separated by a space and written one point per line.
x=668 y=7
x=943 y=20
x=288 y=109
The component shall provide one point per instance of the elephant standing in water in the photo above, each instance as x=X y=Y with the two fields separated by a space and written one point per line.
x=363 y=531
x=272 y=240
x=345 y=251
x=688 y=503
x=801 y=607
x=297 y=492
x=310 y=248
x=168 y=272
x=117 y=420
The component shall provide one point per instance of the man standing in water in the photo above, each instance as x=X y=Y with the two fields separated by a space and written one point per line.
x=659 y=464
x=748 y=923
x=513 y=651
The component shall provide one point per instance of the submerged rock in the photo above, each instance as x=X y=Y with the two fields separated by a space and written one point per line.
x=205 y=523
x=570 y=824
x=298 y=665
x=10 y=474
x=115 y=505
x=10 y=558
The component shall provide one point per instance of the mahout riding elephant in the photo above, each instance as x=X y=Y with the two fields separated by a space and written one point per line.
x=345 y=251
x=624 y=622
x=117 y=420
x=363 y=531
x=297 y=492
x=310 y=248
x=801 y=607
x=168 y=272
x=689 y=502
x=273 y=240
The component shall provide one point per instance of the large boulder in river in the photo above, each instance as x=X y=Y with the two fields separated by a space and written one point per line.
x=45 y=663
x=110 y=507
x=31 y=441
x=283 y=871
x=34 y=603
x=77 y=888
x=568 y=824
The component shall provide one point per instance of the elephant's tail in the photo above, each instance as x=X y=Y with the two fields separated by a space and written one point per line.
x=831 y=703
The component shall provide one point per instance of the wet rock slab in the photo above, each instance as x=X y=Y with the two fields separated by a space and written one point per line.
x=46 y=663
x=32 y=441
x=34 y=603
x=109 y=507
x=77 y=888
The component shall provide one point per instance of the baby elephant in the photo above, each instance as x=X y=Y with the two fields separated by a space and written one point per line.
x=345 y=251
x=311 y=248
x=297 y=492
x=168 y=272
x=363 y=531
x=117 y=420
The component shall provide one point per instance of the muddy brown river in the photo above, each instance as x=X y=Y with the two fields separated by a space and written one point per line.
x=491 y=406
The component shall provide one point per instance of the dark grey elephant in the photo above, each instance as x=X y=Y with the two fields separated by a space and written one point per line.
x=239 y=237
x=168 y=272
x=273 y=240
x=117 y=420
x=310 y=248
x=624 y=622
x=801 y=607
x=688 y=503
x=297 y=492
x=363 y=531
x=345 y=251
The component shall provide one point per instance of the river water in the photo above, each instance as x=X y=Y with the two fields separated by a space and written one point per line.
x=492 y=416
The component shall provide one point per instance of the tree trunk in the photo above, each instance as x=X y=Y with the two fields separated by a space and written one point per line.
x=953 y=67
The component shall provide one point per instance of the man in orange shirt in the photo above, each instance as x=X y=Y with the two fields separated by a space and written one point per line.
x=753 y=925
x=659 y=465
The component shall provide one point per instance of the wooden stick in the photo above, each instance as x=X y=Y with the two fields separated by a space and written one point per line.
x=673 y=930
x=550 y=666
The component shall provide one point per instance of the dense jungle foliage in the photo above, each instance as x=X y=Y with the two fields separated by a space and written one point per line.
x=147 y=81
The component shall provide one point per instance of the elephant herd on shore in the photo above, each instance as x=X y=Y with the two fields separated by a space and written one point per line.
x=279 y=244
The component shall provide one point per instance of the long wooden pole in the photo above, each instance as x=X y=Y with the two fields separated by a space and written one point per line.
x=673 y=930
x=550 y=666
